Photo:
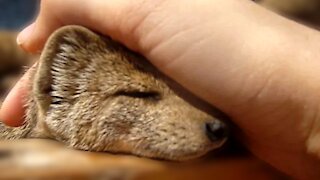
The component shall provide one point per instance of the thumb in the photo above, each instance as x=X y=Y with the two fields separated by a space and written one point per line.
x=13 y=107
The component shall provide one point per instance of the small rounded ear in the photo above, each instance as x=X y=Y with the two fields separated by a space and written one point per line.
x=59 y=62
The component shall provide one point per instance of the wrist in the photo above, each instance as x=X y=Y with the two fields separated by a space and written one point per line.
x=289 y=137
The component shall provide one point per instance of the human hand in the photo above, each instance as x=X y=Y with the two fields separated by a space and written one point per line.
x=239 y=57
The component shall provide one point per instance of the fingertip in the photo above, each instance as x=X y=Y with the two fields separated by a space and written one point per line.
x=12 y=111
x=28 y=40
x=12 y=123
x=25 y=35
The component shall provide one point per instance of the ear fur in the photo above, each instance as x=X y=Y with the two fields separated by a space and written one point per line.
x=68 y=38
x=58 y=63
x=74 y=56
x=77 y=61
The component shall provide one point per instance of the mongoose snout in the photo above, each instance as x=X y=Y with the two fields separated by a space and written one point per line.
x=93 y=94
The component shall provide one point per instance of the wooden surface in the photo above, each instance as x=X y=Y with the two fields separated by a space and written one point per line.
x=45 y=159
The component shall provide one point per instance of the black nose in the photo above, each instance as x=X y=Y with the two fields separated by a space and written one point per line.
x=216 y=130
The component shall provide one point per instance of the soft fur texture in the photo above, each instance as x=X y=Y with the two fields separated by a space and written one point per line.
x=93 y=94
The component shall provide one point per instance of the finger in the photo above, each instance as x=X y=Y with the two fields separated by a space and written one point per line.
x=12 y=111
x=33 y=37
x=104 y=17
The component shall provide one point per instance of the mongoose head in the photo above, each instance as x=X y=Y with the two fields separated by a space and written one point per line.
x=94 y=94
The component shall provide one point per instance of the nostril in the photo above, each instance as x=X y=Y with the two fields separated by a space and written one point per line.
x=216 y=130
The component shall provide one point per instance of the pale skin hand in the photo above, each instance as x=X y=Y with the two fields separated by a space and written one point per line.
x=257 y=67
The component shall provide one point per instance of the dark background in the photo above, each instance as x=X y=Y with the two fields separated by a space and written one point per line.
x=16 y=14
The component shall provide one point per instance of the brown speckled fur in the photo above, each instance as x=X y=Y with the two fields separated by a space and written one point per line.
x=93 y=94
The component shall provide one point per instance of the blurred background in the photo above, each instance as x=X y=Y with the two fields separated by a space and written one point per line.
x=16 y=14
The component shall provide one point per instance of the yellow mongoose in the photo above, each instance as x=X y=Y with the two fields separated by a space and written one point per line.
x=93 y=94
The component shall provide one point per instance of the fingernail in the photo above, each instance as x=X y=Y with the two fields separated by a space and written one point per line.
x=25 y=34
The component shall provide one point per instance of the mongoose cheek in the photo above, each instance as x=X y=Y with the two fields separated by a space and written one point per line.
x=168 y=129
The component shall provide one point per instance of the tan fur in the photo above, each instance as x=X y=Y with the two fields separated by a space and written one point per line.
x=93 y=94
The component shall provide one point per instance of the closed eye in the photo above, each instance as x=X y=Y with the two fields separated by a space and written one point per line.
x=141 y=95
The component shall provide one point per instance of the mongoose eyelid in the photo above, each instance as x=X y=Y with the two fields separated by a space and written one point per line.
x=140 y=94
